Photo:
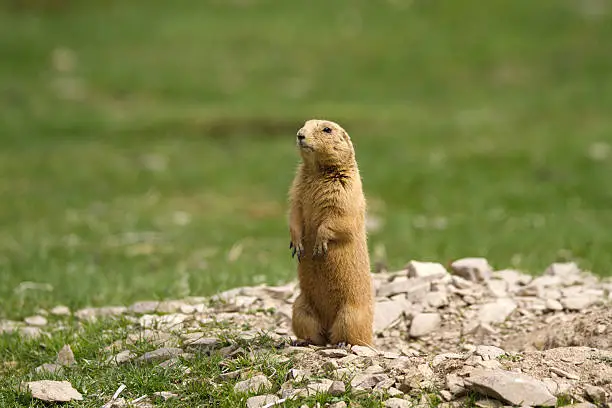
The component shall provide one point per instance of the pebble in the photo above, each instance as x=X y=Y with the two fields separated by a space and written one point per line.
x=36 y=321
x=424 y=323
x=60 y=311
x=397 y=403
x=65 y=356
x=260 y=401
x=336 y=388
x=333 y=353
x=159 y=355
x=496 y=312
x=512 y=388
x=52 y=391
x=258 y=383
x=472 y=269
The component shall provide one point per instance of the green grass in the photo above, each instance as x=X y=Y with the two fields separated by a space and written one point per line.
x=98 y=381
x=133 y=174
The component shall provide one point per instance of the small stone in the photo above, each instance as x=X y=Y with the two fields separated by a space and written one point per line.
x=60 y=311
x=424 y=323
x=489 y=352
x=394 y=392
x=298 y=375
x=582 y=405
x=92 y=313
x=52 y=391
x=487 y=403
x=431 y=270
x=121 y=357
x=320 y=387
x=436 y=299
x=397 y=403
x=455 y=384
x=116 y=403
x=336 y=388
x=374 y=369
x=166 y=395
x=160 y=354
x=65 y=356
x=364 y=351
x=498 y=287
x=35 y=321
x=563 y=269
x=552 y=304
x=330 y=365
x=367 y=380
x=260 y=401
x=564 y=374
x=258 y=383
x=197 y=339
x=577 y=303
x=144 y=307
x=472 y=269
x=30 y=332
x=333 y=353
x=339 y=404
x=49 y=368
x=437 y=360
x=510 y=387
x=388 y=312
x=595 y=394
x=496 y=312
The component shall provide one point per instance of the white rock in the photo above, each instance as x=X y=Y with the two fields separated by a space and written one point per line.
x=431 y=270
x=333 y=353
x=563 y=269
x=53 y=391
x=161 y=354
x=339 y=404
x=144 y=307
x=364 y=351
x=424 y=323
x=258 y=383
x=436 y=299
x=397 y=403
x=498 y=288
x=596 y=394
x=65 y=356
x=166 y=395
x=510 y=387
x=489 y=352
x=35 y=320
x=577 y=302
x=49 y=368
x=496 y=312
x=389 y=311
x=60 y=311
x=30 y=332
x=336 y=388
x=367 y=380
x=260 y=401
x=473 y=269
x=121 y=357
x=555 y=305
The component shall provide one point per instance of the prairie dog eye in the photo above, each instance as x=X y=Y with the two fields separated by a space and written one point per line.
x=327 y=129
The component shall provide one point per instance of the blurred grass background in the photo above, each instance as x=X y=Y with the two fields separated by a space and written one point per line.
x=147 y=146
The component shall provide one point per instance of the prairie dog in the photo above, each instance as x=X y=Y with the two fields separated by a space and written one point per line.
x=328 y=235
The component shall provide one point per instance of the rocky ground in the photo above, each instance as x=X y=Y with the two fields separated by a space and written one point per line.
x=469 y=335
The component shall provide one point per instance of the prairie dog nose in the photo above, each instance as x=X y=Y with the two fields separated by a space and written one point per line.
x=301 y=136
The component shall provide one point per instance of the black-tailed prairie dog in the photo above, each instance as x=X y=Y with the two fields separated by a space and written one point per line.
x=328 y=235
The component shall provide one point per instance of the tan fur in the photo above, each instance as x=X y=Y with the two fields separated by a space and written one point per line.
x=327 y=228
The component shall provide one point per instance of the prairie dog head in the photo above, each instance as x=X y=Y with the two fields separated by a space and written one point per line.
x=324 y=142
